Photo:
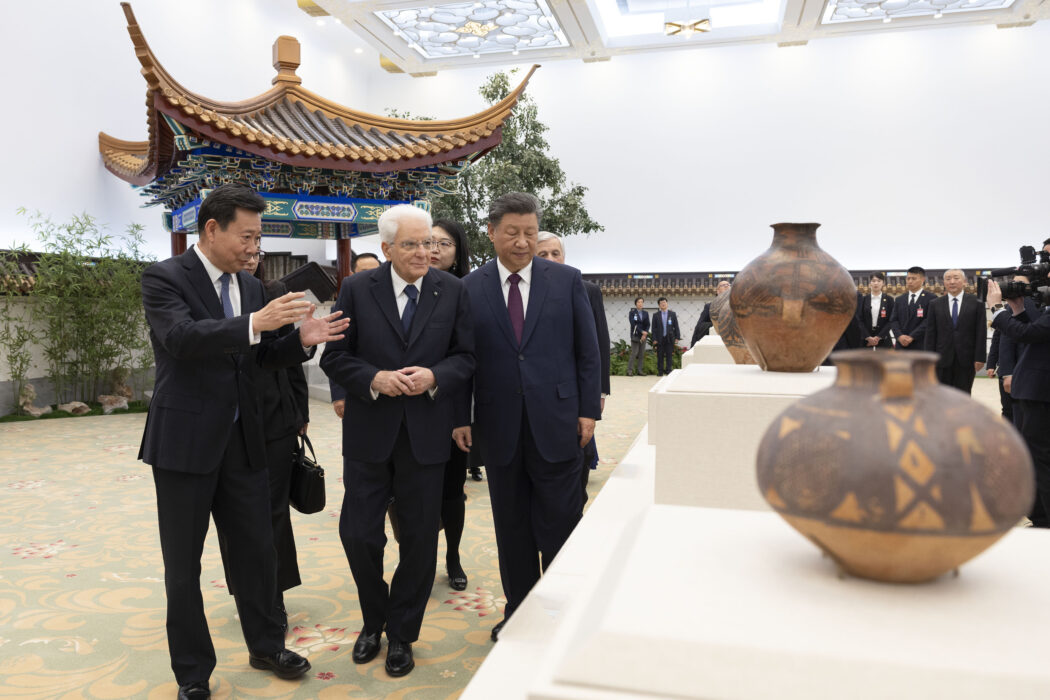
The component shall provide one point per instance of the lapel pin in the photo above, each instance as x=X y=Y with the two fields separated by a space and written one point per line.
x=435 y=293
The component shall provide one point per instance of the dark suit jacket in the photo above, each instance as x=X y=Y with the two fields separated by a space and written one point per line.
x=555 y=373
x=966 y=343
x=1009 y=350
x=601 y=327
x=880 y=325
x=669 y=334
x=207 y=369
x=1031 y=374
x=639 y=322
x=440 y=339
x=912 y=323
x=703 y=325
x=284 y=394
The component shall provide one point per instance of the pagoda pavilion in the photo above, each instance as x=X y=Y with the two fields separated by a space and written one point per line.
x=326 y=171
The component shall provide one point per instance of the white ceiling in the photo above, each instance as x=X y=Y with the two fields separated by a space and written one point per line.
x=420 y=38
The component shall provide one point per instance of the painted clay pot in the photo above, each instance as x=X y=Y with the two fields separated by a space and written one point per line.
x=893 y=475
x=725 y=325
x=793 y=301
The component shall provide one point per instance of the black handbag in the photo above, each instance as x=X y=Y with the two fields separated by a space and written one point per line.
x=307 y=491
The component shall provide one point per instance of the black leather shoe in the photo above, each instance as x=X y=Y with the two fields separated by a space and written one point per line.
x=366 y=647
x=197 y=690
x=475 y=473
x=284 y=664
x=457 y=578
x=399 y=659
x=497 y=629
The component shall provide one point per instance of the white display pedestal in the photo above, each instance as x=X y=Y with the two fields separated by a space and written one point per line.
x=653 y=602
x=709 y=350
x=706 y=422
x=715 y=603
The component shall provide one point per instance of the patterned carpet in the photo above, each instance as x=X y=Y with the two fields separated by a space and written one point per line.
x=82 y=595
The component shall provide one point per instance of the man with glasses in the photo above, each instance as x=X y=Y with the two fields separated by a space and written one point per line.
x=408 y=351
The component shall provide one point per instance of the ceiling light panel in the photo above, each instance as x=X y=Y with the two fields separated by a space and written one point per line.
x=860 y=11
x=475 y=28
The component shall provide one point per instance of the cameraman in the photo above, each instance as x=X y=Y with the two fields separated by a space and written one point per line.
x=1029 y=386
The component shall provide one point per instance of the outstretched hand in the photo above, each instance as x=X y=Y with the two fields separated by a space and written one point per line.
x=326 y=329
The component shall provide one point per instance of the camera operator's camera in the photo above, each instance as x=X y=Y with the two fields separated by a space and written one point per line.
x=1035 y=266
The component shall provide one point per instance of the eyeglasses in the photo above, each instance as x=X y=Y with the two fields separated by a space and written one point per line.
x=409 y=246
x=444 y=243
x=258 y=256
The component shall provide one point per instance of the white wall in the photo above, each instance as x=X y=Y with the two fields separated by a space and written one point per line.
x=925 y=147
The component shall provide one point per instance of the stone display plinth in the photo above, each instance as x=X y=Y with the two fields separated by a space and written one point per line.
x=706 y=421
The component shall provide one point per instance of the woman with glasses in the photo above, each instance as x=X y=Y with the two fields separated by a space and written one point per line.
x=449 y=252
x=284 y=399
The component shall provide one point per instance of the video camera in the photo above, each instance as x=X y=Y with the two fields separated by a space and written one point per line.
x=1035 y=266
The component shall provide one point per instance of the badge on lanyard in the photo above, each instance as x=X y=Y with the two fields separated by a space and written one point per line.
x=918 y=312
x=882 y=313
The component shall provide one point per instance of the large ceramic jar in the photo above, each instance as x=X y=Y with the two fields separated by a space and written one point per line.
x=793 y=301
x=725 y=325
x=895 y=476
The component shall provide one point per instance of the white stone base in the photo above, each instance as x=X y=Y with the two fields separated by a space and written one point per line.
x=706 y=422
x=709 y=350
x=705 y=603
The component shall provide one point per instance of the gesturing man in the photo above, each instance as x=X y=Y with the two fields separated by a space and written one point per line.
x=409 y=351
x=211 y=334
x=537 y=393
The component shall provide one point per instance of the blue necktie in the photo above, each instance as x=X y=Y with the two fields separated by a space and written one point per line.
x=955 y=312
x=410 y=308
x=227 y=311
x=224 y=295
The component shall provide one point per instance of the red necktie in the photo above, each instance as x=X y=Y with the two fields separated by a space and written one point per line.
x=515 y=307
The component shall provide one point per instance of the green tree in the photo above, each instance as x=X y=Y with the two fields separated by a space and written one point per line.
x=521 y=163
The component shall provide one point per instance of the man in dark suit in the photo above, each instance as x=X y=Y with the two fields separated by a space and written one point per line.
x=876 y=310
x=537 y=393
x=704 y=323
x=211 y=336
x=639 y=320
x=1003 y=354
x=665 y=335
x=1030 y=388
x=957 y=330
x=551 y=247
x=908 y=321
x=408 y=352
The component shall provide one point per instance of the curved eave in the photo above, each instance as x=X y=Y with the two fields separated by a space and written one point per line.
x=160 y=80
x=128 y=160
x=304 y=154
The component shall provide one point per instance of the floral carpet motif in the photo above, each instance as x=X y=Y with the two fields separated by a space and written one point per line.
x=82 y=604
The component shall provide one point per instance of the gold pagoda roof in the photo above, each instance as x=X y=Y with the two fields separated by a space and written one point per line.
x=293 y=125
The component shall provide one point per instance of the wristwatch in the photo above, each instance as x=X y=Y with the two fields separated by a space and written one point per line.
x=997 y=307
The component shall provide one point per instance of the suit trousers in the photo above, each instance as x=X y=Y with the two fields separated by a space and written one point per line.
x=636 y=358
x=1032 y=420
x=416 y=489
x=957 y=375
x=238 y=498
x=664 y=356
x=279 y=455
x=1006 y=401
x=535 y=506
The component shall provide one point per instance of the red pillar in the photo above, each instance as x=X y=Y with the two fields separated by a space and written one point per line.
x=342 y=259
x=178 y=244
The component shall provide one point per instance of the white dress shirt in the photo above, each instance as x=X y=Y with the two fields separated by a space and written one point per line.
x=214 y=274
x=876 y=306
x=523 y=285
x=399 y=291
x=950 y=297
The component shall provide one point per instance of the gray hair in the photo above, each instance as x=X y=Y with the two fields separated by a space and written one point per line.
x=514 y=203
x=391 y=219
x=548 y=236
